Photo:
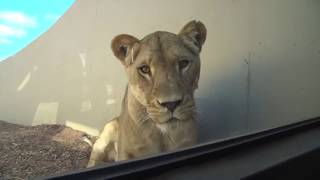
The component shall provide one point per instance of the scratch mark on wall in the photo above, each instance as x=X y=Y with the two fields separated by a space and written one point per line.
x=109 y=89
x=248 y=87
x=24 y=82
x=35 y=68
x=83 y=58
x=110 y=101
x=86 y=106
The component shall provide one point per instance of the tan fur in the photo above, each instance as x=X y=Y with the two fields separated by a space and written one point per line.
x=148 y=123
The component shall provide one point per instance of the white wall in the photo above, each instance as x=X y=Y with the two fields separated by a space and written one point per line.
x=259 y=64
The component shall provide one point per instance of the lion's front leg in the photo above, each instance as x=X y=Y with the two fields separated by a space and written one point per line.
x=104 y=149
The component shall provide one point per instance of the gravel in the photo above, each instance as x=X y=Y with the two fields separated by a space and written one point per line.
x=27 y=152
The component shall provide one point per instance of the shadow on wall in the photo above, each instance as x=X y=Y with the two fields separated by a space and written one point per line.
x=273 y=86
x=224 y=100
x=219 y=112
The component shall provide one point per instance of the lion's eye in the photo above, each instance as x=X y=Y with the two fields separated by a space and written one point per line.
x=183 y=64
x=144 y=69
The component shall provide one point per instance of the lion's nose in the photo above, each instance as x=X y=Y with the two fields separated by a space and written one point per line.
x=171 y=106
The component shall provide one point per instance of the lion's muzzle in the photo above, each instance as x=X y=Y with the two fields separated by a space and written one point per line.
x=171 y=105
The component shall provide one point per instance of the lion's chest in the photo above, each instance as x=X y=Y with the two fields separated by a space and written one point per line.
x=138 y=141
x=151 y=139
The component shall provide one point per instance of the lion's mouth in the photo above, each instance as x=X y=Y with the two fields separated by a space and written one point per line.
x=169 y=120
x=165 y=126
x=173 y=119
x=162 y=115
x=165 y=119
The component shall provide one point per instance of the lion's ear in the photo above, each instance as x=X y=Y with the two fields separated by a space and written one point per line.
x=196 y=32
x=121 y=46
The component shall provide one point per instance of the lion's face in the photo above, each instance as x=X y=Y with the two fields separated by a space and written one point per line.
x=163 y=70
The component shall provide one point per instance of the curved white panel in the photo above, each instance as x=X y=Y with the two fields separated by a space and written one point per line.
x=260 y=64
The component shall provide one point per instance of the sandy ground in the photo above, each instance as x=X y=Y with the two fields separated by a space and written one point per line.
x=27 y=152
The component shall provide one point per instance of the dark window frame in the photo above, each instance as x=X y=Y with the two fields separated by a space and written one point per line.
x=159 y=165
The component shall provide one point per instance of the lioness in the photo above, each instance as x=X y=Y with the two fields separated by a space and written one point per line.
x=158 y=109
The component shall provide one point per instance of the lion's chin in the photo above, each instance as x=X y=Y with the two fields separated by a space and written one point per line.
x=163 y=127
x=165 y=120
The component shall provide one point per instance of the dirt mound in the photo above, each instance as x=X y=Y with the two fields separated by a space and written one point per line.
x=28 y=152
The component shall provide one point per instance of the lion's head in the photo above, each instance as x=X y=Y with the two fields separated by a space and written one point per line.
x=163 y=70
